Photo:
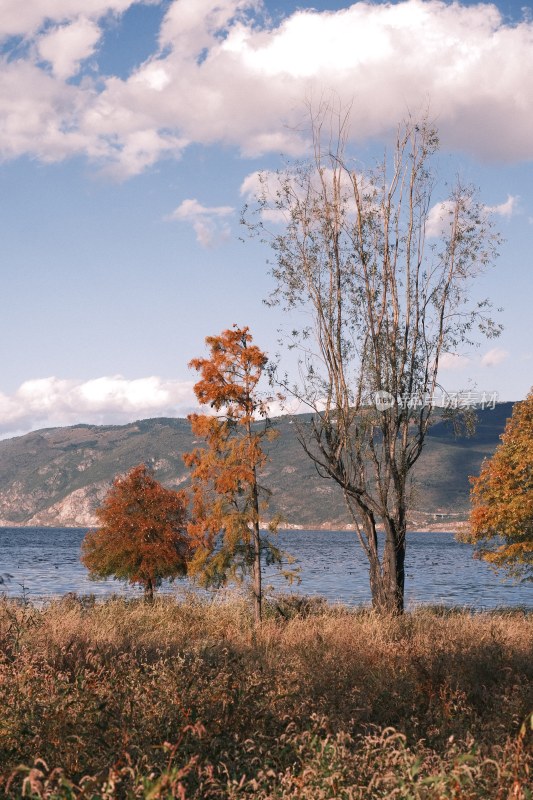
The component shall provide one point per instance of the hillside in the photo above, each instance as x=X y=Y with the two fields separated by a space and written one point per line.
x=58 y=476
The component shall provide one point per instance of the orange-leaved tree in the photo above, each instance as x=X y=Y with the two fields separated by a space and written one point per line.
x=142 y=536
x=224 y=529
x=501 y=521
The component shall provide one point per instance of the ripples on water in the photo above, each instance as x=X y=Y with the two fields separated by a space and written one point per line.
x=439 y=569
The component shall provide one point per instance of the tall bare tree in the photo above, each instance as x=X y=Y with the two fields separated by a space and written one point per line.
x=383 y=277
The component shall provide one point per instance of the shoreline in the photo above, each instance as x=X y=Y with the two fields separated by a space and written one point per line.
x=457 y=526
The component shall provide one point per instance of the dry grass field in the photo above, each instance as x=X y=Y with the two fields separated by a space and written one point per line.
x=183 y=699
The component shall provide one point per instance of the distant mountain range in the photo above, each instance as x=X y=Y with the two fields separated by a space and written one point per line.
x=58 y=476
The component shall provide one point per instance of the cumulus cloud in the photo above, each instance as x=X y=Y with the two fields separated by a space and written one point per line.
x=207 y=221
x=506 y=209
x=453 y=361
x=190 y=25
x=494 y=357
x=440 y=219
x=264 y=185
x=25 y=19
x=223 y=73
x=255 y=184
x=277 y=205
x=50 y=402
x=441 y=215
x=32 y=106
x=65 y=46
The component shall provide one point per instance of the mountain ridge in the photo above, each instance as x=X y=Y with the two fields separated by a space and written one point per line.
x=58 y=476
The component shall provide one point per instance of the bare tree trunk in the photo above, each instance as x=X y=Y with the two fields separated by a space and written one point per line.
x=387 y=580
x=149 y=591
x=394 y=575
x=377 y=588
x=256 y=572
x=387 y=573
x=256 y=577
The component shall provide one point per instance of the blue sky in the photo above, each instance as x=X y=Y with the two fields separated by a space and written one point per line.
x=127 y=130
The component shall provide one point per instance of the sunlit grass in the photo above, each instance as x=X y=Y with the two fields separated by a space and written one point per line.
x=186 y=699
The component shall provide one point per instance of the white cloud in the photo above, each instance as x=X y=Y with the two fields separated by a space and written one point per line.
x=222 y=74
x=156 y=77
x=263 y=184
x=440 y=219
x=190 y=25
x=32 y=105
x=190 y=209
x=494 y=357
x=441 y=216
x=26 y=18
x=207 y=221
x=254 y=184
x=269 y=187
x=453 y=361
x=135 y=150
x=506 y=209
x=289 y=405
x=64 y=47
x=50 y=402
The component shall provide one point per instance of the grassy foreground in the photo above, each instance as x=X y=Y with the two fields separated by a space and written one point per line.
x=182 y=699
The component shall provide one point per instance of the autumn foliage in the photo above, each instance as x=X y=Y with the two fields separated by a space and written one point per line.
x=142 y=536
x=224 y=474
x=502 y=497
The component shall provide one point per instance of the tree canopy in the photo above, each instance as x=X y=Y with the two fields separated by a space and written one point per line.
x=142 y=537
x=501 y=521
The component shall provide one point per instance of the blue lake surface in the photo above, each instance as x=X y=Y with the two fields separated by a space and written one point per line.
x=439 y=569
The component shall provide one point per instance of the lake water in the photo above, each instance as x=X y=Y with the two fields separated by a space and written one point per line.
x=439 y=569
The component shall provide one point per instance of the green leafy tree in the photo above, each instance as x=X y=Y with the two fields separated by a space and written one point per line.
x=142 y=537
x=501 y=521
x=224 y=529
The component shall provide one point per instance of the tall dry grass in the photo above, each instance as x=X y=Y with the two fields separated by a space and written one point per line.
x=185 y=699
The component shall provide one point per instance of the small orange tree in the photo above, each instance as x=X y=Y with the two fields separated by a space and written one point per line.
x=142 y=536
x=502 y=497
x=225 y=525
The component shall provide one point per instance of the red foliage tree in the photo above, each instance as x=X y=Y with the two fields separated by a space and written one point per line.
x=225 y=519
x=142 y=536
x=501 y=521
